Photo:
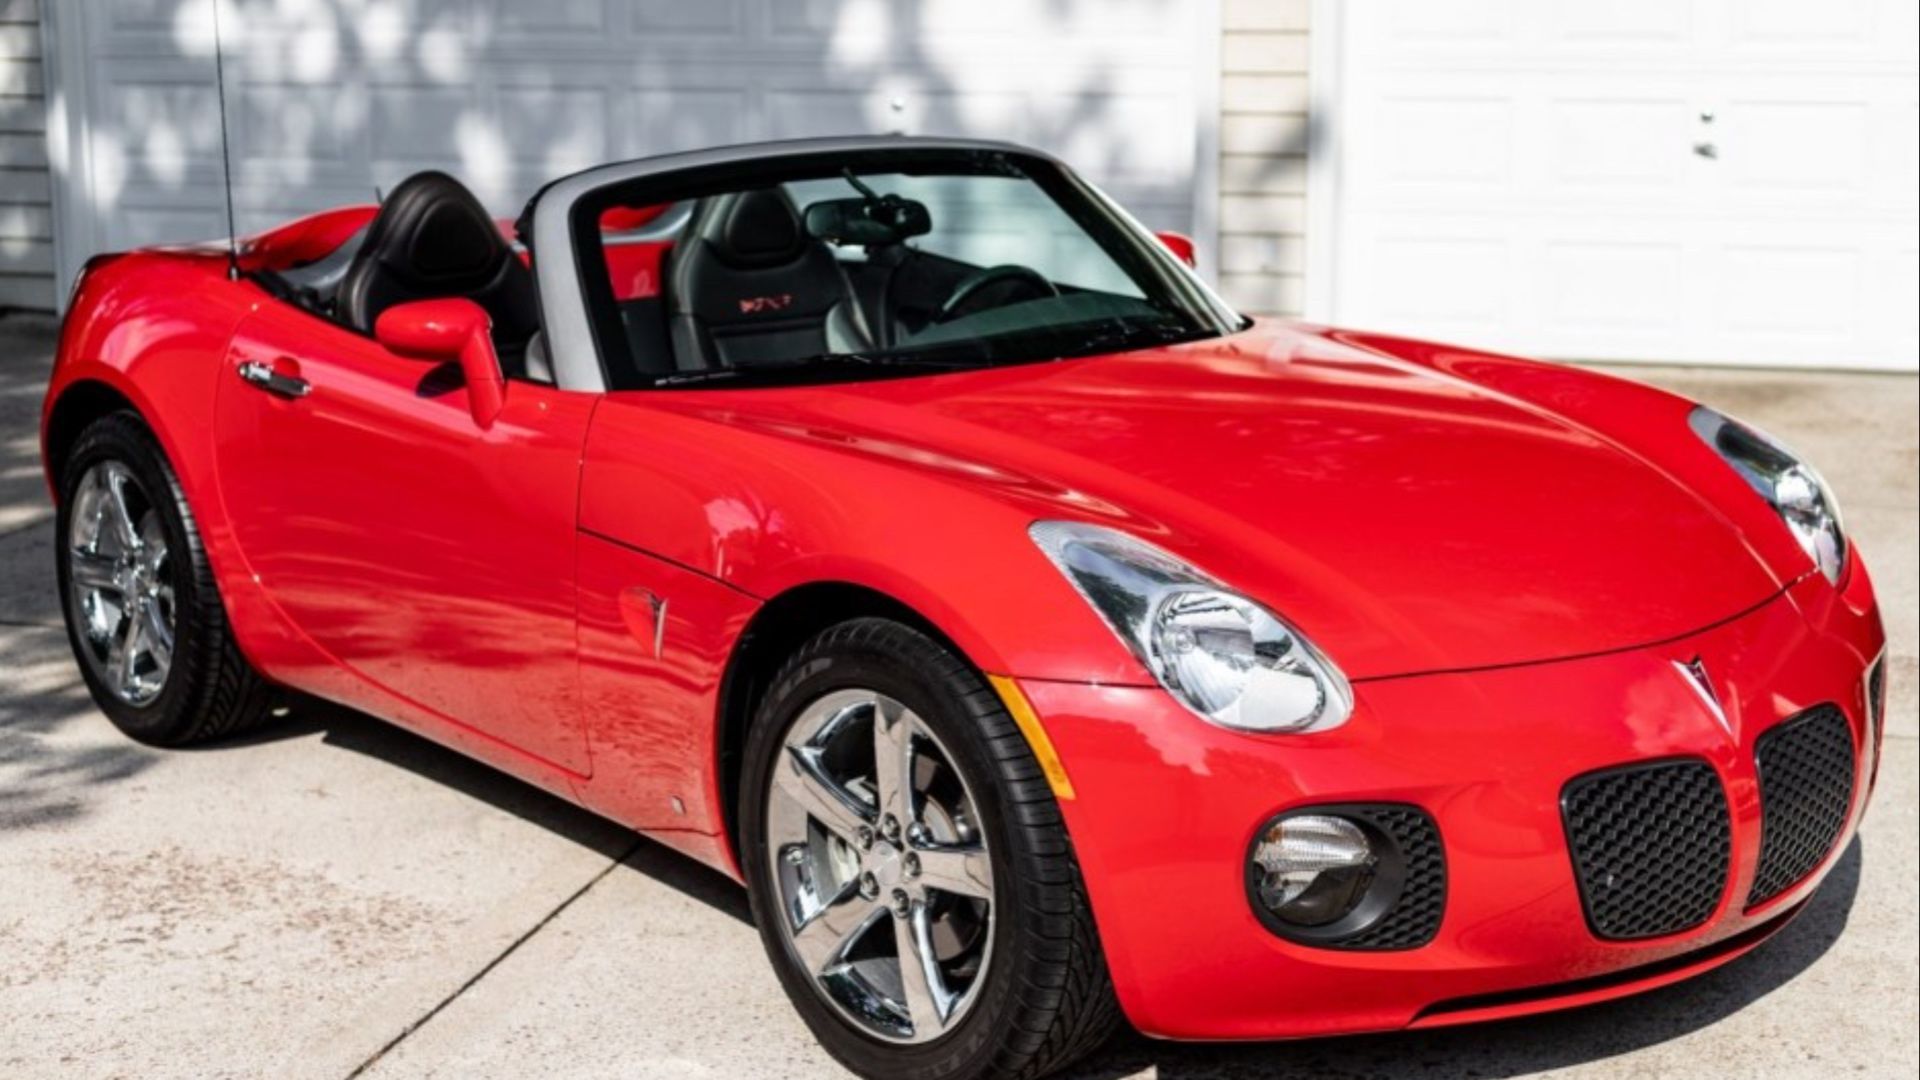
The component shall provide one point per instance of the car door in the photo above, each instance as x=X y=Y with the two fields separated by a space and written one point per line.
x=430 y=557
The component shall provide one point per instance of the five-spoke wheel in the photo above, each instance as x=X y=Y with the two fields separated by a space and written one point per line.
x=910 y=872
x=144 y=615
x=886 y=887
x=119 y=575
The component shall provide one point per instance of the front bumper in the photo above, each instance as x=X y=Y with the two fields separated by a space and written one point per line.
x=1167 y=805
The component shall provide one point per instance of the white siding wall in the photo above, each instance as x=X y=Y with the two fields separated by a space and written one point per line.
x=1263 y=154
x=26 y=220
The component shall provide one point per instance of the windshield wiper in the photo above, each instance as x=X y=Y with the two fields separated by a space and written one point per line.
x=1122 y=338
x=824 y=362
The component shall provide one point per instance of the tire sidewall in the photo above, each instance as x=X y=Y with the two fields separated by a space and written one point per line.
x=966 y=1050
x=123 y=439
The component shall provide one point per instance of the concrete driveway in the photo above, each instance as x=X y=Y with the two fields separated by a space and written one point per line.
x=336 y=898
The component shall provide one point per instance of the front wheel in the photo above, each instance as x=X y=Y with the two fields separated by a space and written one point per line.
x=911 y=877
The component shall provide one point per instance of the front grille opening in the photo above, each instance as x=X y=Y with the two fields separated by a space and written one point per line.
x=1806 y=767
x=1651 y=847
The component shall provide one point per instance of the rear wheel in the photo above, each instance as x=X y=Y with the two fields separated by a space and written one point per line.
x=143 y=616
x=910 y=873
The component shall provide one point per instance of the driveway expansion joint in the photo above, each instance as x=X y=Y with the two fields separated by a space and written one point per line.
x=500 y=958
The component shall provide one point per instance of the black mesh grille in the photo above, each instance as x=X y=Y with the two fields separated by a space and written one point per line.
x=1806 y=787
x=1650 y=844
x=1415 y=919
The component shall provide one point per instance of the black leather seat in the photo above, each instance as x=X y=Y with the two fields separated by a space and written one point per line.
x=746 y=284
x=432 y=239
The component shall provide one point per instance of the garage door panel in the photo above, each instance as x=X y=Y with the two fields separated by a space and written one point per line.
x=554 y=130
x=934 y=26
x=1788 y=289
x=416 y=125
x=1894 y=286
x=708 y=17
x=1640 y=22
x=1772 y=148
x=1604 y=144
x=1449 y=140
x=158 y=224
x=298 y=133
x=1898 y=138
x=1420 y=24
x=663 y=121
x=1613 y=286
x=583 y=19
x=805 y=113
x=156 y=133
x=1796 y=24
x=1459 y=280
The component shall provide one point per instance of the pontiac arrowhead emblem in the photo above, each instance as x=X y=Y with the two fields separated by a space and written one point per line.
x=1695 y=672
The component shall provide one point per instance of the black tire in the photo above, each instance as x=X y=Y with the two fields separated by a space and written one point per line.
x=210 y=690
x=1048 y=998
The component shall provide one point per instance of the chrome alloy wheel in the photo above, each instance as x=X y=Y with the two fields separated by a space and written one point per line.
x=120 y=583
x=881 y=866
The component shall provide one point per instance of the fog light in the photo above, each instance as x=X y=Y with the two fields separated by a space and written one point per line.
x=1313 y=869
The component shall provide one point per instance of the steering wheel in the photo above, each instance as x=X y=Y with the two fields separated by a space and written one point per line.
x=976 y=283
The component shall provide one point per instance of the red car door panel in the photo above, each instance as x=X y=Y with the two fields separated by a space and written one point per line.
x=431 y=558
x=654 y=644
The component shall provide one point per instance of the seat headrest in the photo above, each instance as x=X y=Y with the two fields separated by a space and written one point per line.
x=433 y=239
x=752 y=228
x=437 y=228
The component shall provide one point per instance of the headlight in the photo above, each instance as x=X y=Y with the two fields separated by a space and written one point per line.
x=1794 y=490
x=1220 y=654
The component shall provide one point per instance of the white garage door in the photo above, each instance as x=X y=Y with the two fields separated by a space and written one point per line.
x=328 y=99
x=1696 y=180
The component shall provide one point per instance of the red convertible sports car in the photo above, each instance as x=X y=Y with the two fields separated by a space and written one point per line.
x=898 y=526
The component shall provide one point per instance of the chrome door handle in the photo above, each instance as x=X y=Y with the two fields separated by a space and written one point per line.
x=261 y=374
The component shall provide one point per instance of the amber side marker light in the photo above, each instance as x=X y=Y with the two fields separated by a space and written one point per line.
x=1029 y=724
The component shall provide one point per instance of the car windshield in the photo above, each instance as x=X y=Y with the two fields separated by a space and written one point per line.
x=870 y=268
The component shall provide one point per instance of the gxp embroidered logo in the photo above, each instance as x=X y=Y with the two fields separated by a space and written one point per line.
x=1695 y=672
x=761 y=305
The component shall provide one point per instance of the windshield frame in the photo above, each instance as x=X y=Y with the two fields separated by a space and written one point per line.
x=562 y=225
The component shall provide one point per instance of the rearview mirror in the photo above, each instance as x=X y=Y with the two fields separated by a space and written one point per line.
x=885 y=220
x=1180 y=244
x=449 y=331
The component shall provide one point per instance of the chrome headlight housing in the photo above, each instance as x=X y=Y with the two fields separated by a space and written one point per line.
x=1795 y=491
x=1230 y=660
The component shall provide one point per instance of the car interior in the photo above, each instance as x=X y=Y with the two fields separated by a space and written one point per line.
x=431 y=239
x=735 y=279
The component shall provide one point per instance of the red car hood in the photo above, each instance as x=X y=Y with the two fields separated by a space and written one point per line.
x=1406 y=520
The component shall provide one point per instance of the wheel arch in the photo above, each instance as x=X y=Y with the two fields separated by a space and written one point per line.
x=780 y=626
x=79 y=404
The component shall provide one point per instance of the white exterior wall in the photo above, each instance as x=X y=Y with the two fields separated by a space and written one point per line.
x=26 y=215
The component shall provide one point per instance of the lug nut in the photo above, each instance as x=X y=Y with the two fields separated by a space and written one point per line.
x=917 y=834
x=890 y=828
x=864 y=837
x=902 y=904
x=911 y=864
x=869 y=885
